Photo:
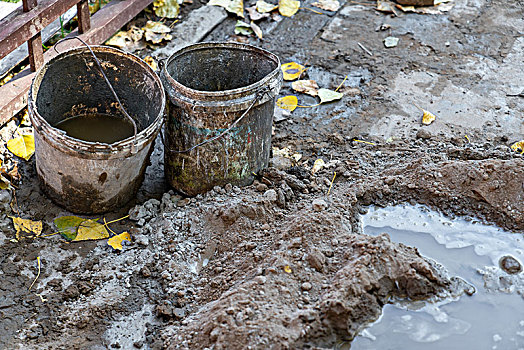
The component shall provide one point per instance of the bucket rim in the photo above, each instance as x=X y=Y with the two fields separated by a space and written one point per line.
x=87 y=147
x=224 y=93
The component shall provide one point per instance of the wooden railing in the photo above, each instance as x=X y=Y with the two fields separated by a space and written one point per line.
x=26 y=23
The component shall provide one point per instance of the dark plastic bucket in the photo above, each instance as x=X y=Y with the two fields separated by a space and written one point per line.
x=88 y=177
x=209 y=87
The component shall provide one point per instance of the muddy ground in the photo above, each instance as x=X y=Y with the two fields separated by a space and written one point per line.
x=283 y=263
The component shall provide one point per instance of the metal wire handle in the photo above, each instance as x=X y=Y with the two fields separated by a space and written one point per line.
x=122 y=109
x=255 y=100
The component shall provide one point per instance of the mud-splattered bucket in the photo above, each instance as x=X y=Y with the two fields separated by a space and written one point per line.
x=221 y=99
x=92 y=177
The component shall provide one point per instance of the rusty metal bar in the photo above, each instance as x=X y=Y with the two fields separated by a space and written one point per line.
x=20 y=26
x=84 y=19
x=104 y=23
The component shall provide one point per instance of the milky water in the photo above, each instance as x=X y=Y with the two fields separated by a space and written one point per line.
x=492 y=318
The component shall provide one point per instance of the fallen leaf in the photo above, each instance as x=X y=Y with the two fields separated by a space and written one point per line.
x=166 y=8
x=288 y=102
x=243 y=28
x=391 y=41
x=151 y=62
x=288 y=8
x=68 y=226
x=427 y=117
x=292 y=70
x=440 y=8
x=156 y=27
x=286 y=153
x=385 y=6
x=26 y=225
x=287 y=269
x=327 y=95
x=4 y=183
x=13 y=173
x=318 y=165
x=256 y=30
x=328 y=5
x=135 y=33
x=90 y=230
x=309 y=87
x=127 y=41
x=518 y=147
x=23 y=146
x=116 y=241
x=233 y=6
x=254 y=15
x=156 y=32
x=416 y=2
x=264 y=7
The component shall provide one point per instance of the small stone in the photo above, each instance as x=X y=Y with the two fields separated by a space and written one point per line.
x=138 y=344
x=145 y=271
x=5 y=196
x=271 y=195
x=183 y=202
x=390 y=180
x=510 y=265
x=142 y=240
x=423 y=134
x=280 y=163
x=260 y=279
x=228 y=188
x=179 y=313
x=261 y=187
x=316 y=259
x=319 y=204
x=265 y=227
x=306 y=286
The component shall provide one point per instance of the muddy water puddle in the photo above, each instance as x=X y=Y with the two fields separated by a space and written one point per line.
x=102 y=128
x=492 y=318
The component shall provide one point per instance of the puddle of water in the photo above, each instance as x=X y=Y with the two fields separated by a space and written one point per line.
x=490 y=319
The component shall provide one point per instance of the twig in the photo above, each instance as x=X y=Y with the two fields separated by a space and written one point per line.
x=366 y=142
x=38 y=275
x=364 y=48
x=341 y=83
x=317 y=12
x=333 y=180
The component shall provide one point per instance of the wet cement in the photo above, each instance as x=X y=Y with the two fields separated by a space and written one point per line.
x=489 y=319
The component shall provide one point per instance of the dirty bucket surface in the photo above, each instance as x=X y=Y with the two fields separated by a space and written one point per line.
x=104 y=170
x=215 y=89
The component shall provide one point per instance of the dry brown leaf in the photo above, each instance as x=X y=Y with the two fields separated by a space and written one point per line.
x=328 y=5
x=256 y=30
x=309 y=87
x=254 y=15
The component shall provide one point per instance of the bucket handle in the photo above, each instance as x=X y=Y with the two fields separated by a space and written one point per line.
x=122 y=109
x=258 y=96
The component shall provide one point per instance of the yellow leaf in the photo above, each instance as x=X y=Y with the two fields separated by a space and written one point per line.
x=89 y=230
x=328 y=5
x=318 y=165
x=327 y=95
x=292 y=70
x=151 y=62
x=288 y=102
x=309 y=87
x=156 y=27
x=427 y=117
x=264 y=7
x=166 y=8
x=518 y=147
x=26 y=225
x=23 y=146
x=233 y=6
x=288 y=7
x=287 y=269
x=116 y=241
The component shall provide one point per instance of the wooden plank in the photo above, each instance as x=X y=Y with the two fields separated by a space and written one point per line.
x=20 y=26
x=36 y=53
x=28 y=5
x=108 y=20
x=21 y=53
x=84 y=19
